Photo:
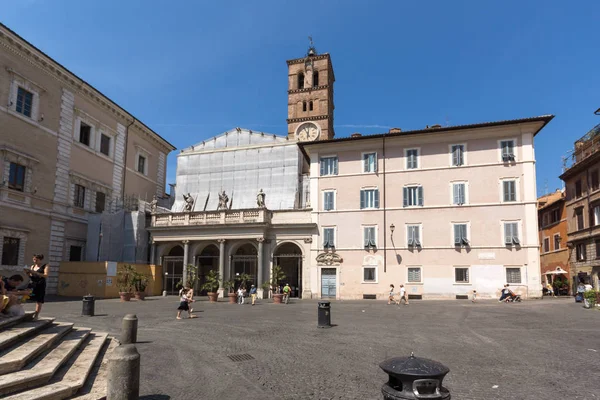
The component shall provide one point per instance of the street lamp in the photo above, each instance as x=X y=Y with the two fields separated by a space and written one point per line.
x=165 y=284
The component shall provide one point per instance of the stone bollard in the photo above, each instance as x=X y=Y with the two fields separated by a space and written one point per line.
x=414 y=378
x=129 y=329
x=123 y=373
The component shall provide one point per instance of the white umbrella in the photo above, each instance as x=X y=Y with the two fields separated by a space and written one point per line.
x=557 y=271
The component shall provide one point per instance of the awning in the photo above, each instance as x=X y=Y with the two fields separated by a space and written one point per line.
x=557 y=271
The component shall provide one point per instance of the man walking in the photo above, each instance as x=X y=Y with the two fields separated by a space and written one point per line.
x=253 y=294
x=286 y=293
x=403 y=295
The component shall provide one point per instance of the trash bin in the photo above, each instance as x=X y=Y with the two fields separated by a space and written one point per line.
x=414 y=378
x=324 y=314
x=88 y=305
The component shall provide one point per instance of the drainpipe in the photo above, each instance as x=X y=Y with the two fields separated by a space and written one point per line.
x=384 y=212
x=125 y=159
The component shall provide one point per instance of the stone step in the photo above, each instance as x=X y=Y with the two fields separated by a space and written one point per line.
x=17 y=357
x=10 y=321
x=39 y=372
x=73 y=378
x=96 y=386
x=19 y=331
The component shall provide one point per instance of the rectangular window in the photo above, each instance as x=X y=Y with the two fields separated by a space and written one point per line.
x=100 y=202
x=579 y=217
x=458 y=155
x=597 y=243
x=580 y=252
x=578 y=189
x=329 y=200
x=10 y=250
x=328 y=238
x=85 y=133
x=414 y=274
x=369 y=274
x=24 y=102
x=75 y=253
x=413 y=196
x=508 y=150
x=369 y=239
x=511 y=234
x=596 y=215
x=412 y=159
x=513 y=275
x=546 y=245
x=369 y=198
x=79 y=196
x=458 y=194
x=555 y=215
x=461 y=275
x=557 y=242
x=509 y=190
x=16 y=177
x=329 y=166
x=460 y=235
x=105 y=144
x=370 y=162
x=141 y=167
x=594 y=183
x=413 y=235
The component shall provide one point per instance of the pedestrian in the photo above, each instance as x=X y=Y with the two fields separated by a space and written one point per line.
x=474 y=296
x=286 y=293
x=505 y=293
x=38 y=273
x=253 y=294
x=403 y=295
x=391 y=294
x=9 y=303
x=240 y=294
x=184 y=301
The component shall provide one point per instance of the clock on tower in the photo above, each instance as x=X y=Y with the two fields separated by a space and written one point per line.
x=308 y=132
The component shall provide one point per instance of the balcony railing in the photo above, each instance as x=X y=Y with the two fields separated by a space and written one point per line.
x=252 y=216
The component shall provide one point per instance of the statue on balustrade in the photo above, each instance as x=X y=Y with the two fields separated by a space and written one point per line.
x=189 y=203
x=260 y=199
x=153 y=204
x=223 y=200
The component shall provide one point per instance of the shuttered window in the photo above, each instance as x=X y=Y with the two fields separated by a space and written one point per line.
x=414 y=274
x=328 y=201
x=369 y=198
x=413 y=235
x=412 y=159
x=508 y=150
x=511 y=234
x=458 y=156
x=328 y=237
x=370 y=162
x=369 y=239
x=460 y=235
x=413 y=196
x=329 y=166
x=509 y=190
x=458 y=194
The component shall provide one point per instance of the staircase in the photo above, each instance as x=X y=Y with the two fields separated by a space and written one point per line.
x=44 y=359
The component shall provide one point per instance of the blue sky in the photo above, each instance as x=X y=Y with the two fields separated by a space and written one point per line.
x=191 y=70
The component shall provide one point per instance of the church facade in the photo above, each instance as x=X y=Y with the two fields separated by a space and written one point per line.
x=443 y=210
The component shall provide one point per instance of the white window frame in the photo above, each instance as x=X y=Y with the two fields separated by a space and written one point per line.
x=519 y=231
x=334 y=199
x=468 y=224
x=375 y=190
x=334 y=173
x=519 y=267
x=334 y=227
x=362 y=158
x=420 y=267
x=418 y=149
x=111 y=147
x=466 y=193
x=414 y=245
x=554 y=241
x=410 y=186
x=464 y=145
x=585 y=255
x=596 y=213
x=517 y=191
x=74 y=242
x=29 y=86
x=375 y=228
x=93 y=132
x=514 y=140
x=468 y=268
x=375 y=267
x=6 y=231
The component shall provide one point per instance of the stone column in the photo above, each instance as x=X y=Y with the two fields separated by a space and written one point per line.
x=260 y=267
x=186 y=251
x=221 y=266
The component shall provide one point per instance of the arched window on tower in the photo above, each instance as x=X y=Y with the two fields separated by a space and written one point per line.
x=310 y=105
x=303 y=106
x=301 y=81
x=316 y=79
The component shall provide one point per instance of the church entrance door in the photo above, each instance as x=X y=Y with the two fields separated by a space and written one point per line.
x=289 y=257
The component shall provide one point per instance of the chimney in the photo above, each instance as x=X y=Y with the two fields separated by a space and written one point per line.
x=395 y=130
x=355 y=135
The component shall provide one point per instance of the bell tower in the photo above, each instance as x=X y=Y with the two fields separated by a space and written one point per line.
x=310 y=96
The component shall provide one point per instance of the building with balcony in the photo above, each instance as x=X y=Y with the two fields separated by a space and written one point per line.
x=67 y=152
x=581 y=177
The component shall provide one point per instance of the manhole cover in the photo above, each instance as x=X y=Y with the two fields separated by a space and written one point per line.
x=240 y=357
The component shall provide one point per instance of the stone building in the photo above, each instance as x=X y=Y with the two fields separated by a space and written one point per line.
x=582 y=182
x=554 y=253
x=67 y=151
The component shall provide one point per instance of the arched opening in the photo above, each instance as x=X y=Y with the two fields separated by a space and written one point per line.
x=244 y=261
x=207 y=261
x=310 y=105
x=303 y=106
x=173 y=269
x=301 y=80
x=289 y=257
x=316 y=79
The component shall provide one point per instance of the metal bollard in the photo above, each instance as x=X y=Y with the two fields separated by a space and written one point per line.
x=324 y=314
x=129 y=329
x=414 y=378
x=123 y=373
x=88 y=305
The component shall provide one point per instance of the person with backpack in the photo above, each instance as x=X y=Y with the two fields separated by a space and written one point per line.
x=286 y=293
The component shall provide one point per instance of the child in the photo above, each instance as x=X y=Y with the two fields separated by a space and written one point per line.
x=474 y=296
x=391 y=295
x=184 y=301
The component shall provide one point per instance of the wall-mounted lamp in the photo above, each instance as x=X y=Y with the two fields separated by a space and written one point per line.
x=392 y=227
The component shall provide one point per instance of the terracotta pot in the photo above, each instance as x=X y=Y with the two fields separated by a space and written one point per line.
x=125 y=296
x=232 y=298
x=140 y=295
x=212 y=297
x=277 y=298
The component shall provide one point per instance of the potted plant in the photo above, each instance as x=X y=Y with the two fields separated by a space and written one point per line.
x=211 y=285
x=192 y=277
x=125 y=280
x=140 y=283
x=590 y=297
x=230 y=286
x=277 y=276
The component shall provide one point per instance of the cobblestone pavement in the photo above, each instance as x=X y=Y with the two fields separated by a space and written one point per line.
x=537 y=349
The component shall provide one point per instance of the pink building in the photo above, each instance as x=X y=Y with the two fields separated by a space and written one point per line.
x=443 y=210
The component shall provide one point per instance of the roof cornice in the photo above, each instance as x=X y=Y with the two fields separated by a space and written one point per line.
x=314 y=58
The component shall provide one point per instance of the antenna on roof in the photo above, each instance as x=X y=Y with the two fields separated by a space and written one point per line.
x=447 y=121
x=546 y=186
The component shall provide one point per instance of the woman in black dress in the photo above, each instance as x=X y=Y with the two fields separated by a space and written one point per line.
x=38 y=273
